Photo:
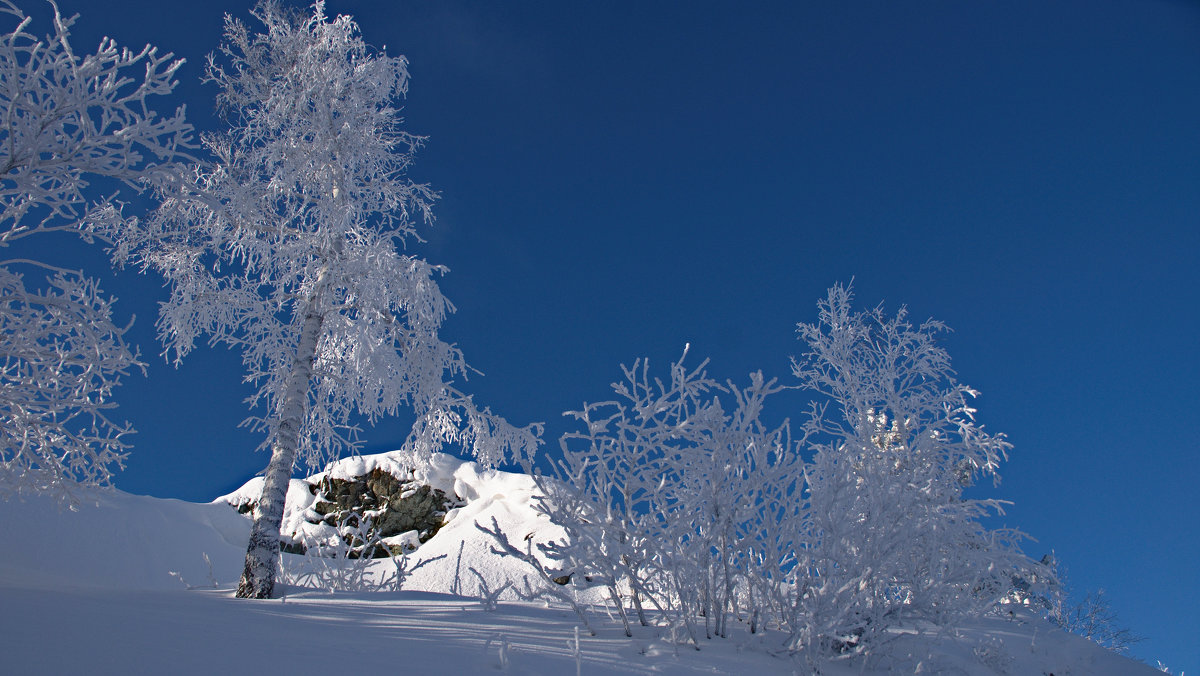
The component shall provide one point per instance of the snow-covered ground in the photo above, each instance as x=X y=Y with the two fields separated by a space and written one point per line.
x=105 y=589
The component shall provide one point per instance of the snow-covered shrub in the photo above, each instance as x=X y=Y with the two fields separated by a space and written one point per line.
x=488 y=597
x=675 y=503
x=992 y=654
x=1093 y=618
x=889 y=536
x=351 y=557
x=676 y=496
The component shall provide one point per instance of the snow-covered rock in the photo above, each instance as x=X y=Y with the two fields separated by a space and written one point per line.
x=390 y=501
x=451 y=556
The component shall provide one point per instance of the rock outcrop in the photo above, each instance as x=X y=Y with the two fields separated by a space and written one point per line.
x=392 y=506
x=398 y=512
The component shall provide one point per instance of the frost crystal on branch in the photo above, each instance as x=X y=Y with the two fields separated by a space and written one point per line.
x=287 y=246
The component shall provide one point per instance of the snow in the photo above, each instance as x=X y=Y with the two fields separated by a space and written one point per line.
x=119 y=541
x=92 y=591
x=506 y=497
x=300 y=498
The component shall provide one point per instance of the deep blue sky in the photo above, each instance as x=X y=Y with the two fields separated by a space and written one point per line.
x=620 y=178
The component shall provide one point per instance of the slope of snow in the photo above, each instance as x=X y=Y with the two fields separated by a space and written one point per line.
x=91 y=591
x=489 y=494
x=108 y=631
x=120 y=541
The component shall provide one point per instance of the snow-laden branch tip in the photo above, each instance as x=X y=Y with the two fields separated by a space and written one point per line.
x=66 y=119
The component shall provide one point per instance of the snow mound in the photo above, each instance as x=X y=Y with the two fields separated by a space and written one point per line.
x=466 y=552
x=120 y=541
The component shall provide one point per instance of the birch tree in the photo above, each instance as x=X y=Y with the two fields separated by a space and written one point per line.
x=287 y=246
x=67 y=120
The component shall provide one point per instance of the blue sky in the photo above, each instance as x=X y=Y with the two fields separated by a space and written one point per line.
x=621 y=178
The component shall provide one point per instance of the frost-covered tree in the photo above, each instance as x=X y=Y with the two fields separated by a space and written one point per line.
x=1094 y=619
x=890 y=536
x=67 y=120
x=288 y=247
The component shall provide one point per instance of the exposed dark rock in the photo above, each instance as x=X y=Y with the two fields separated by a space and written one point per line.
x=403 y=505
x=400 y=506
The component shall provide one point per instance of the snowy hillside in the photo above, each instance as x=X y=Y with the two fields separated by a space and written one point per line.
x=110 y=580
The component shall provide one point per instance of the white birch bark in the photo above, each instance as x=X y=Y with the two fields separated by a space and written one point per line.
x=262 y=552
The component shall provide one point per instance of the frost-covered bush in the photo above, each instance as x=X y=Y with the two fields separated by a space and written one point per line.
x=1094 y=618
x=348 y=557
x=339 y=563
x=889 y=536
x=676 y=496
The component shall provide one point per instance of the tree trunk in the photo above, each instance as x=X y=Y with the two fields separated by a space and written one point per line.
x=616 y=598
x=729 y=595
x=262 y=553
x=634 y=585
